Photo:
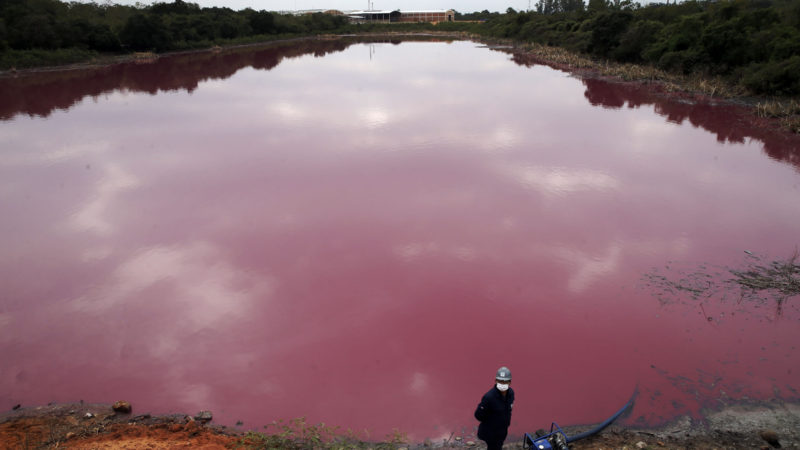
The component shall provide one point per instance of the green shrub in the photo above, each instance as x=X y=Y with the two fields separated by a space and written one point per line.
x=633 y=42
x=680 y=61
x=607 y=31
x=781 y=77
x=725 y=44
x=785 y=44
x=143 y=32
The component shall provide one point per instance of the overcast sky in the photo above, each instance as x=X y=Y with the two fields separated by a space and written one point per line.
x=280 y=5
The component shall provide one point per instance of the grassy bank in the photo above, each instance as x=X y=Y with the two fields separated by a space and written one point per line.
x=25 y=59
x=783 y=109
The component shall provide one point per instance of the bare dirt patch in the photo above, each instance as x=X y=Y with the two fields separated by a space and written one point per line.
x=80 y=426
x=91 y=426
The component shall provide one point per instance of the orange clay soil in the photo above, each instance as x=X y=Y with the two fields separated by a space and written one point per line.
x=85 y=426
x=99 y=427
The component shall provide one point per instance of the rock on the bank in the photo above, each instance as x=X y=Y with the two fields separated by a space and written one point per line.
x=122 y=407
x=771 y=436
x=203 y=416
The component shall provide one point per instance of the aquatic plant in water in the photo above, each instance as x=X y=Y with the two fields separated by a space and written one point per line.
x=758 y=281
x=781 y=277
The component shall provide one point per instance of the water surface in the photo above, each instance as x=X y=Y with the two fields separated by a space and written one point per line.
x=361 y=234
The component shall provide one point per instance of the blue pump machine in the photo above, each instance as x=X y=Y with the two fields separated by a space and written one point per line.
x=556 y=439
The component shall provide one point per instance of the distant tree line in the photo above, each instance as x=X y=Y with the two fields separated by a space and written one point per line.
x=752 y=42
x=52 y=24
x=476 y=16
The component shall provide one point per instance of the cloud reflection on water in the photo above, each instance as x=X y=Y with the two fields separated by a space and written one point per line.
x=92 y=215
x=562 y=180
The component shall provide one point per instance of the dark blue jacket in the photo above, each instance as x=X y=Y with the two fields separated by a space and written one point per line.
x=494 y=414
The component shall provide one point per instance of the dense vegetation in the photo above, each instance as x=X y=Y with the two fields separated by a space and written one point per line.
x=751 y=42
x=754 y=43
x=52 y=31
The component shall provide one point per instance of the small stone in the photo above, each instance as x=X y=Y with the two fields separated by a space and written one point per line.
x=122 y=407
x=470 y=443
x=771 y=436
x=458 y=438
x=203 y=416
x=239 y=423
x=191 y=427
x=641 y=444
x=70 y=435
x=16 y=407
x=88 y=415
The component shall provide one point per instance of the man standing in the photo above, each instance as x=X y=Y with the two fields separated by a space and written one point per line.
x=494 y=411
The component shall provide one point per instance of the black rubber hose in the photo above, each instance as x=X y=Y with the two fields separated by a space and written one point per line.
x=603 y=425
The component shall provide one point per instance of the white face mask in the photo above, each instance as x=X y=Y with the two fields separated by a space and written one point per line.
x=502 y=387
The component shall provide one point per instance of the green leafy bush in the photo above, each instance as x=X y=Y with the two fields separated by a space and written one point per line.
x=635 y=39
x=781 y=77
x=144 y=32
x=607 y=31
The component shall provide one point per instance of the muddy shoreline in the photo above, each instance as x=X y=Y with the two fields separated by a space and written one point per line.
x=79 y=425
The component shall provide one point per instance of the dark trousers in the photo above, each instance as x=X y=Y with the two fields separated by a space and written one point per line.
x=494 y=445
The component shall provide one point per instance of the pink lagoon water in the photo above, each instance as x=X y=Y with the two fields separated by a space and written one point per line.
x=362 y=234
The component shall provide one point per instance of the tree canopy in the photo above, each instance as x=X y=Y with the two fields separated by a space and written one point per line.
x=753 y=42
x=52 y=24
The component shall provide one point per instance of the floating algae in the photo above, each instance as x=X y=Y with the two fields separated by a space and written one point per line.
x=780 y=277
x=758 y=281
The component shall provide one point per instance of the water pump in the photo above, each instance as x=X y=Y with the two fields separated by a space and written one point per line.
x=557 y=439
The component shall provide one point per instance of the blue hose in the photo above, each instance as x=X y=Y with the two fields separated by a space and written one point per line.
x=605 y=424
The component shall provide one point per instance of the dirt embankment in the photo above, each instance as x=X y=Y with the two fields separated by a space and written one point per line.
x=93 y=426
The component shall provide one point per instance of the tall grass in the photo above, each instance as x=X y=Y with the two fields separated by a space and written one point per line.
x=24 y=59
